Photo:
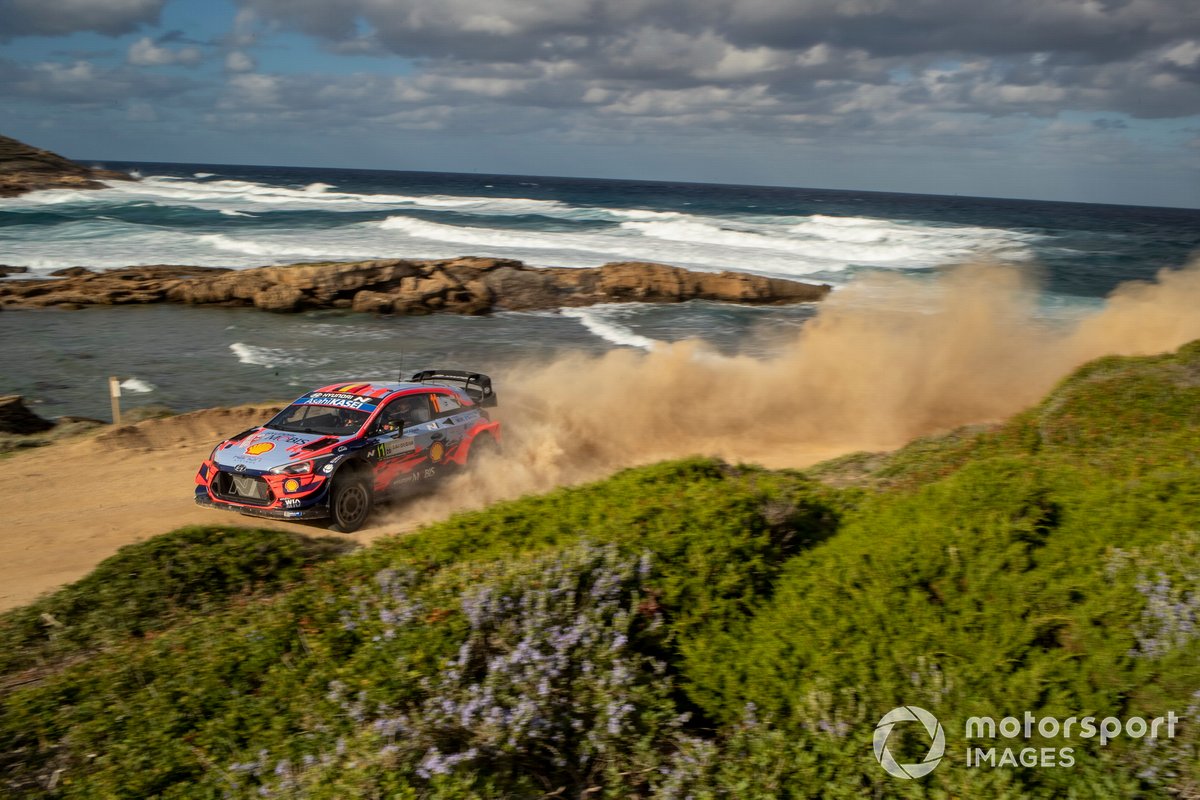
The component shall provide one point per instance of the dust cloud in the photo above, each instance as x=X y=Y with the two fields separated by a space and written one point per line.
x=886 y=360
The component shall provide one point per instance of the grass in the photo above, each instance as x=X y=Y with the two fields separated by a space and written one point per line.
x=684 y=629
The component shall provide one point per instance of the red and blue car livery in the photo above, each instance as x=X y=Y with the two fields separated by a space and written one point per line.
x=337 y=450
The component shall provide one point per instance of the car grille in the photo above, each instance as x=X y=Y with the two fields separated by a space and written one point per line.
x=248 y=489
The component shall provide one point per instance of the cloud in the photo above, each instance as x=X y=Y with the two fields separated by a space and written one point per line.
x=238 y=61
x=145 y=53
x=139 y=111
x=85 y=84
x=514 y=29
x=62 y=17
x=877 y=63
x=971 y=81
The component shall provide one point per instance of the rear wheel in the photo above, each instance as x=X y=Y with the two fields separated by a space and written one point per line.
x=483 y=447
x=349 y=502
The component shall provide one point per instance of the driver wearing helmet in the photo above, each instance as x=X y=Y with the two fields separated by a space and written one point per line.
x=404 y=411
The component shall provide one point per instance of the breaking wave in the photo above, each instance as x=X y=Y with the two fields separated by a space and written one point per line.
x=257 y=356
x=241 y=223
x=137 y=386
x=600 y=320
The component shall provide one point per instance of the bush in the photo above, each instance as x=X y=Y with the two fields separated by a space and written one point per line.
x=147 y=586
x=687 y=629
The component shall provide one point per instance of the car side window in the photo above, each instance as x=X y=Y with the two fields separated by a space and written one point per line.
x=391 y=419
x=419 y=410
x=446 y=404
x=403 y=412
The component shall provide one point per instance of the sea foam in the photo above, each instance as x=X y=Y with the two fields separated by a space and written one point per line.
x=601 y=322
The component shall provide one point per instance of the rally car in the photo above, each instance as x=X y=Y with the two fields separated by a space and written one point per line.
x=337 y=450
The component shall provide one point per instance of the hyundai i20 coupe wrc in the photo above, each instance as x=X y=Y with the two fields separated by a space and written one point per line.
x=337 y=450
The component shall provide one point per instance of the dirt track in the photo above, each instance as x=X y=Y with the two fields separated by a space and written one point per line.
x=857 y=378
x=69 y=506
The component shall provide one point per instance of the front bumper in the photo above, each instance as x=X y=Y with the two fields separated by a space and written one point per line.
x=312 y=512
x=280 y=497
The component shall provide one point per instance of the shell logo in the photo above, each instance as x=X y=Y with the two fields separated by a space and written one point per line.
x=436 y=451
x=291 y=485
x=260 y=448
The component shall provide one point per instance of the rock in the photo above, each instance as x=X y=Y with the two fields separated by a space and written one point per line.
x=25 y=169
x=70 y=272
x=6 y=270
x=82 y=287
x=434 y=285
x=329 y=281
x=372 y=302
x=472 y=298
x=461 y=286
x=16 y=418
x=278 y=298
x=521 y=289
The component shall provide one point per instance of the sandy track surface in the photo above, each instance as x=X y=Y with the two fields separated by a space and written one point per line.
x=68 y=506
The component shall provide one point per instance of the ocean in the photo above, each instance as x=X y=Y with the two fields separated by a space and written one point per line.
x=245 y=216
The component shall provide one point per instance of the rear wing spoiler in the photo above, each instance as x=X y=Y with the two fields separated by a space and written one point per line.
x=477 y=385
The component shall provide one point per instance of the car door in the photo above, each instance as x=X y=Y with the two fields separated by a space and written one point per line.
x=400 y=442
x=427 y=437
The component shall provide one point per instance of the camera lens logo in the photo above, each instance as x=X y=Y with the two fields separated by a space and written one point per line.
x=909 y=714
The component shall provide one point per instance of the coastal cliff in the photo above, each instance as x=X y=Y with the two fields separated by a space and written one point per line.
x=462 y=285
x=24 y=168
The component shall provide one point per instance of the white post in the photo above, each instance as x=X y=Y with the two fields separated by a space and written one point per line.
x=114 y=391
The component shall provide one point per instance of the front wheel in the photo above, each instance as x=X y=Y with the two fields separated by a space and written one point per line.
x=349 y=503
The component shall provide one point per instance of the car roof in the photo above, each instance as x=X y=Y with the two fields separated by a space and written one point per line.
x=380 y=390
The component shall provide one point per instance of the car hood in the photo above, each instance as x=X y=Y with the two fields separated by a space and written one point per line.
x=266 y=449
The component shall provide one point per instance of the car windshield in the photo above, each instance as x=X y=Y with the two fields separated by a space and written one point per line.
x=308 y=417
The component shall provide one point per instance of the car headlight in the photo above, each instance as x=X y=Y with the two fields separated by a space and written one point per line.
x=295 y=468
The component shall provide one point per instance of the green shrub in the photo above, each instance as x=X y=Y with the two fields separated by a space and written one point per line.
x=751 y=628
x=147 y=586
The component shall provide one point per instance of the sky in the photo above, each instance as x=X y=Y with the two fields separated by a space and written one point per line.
x=1084 y=100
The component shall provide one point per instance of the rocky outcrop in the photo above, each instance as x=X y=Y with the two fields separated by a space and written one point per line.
x=461 y=286
x=16 y=418
x=25 y=169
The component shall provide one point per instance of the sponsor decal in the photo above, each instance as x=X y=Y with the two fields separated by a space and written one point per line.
x=339 y=399
x=436 y=451
x=353 y=388
x=291 y=485
x=395 y=447
x=282 y=437
x=328 y=468
x=291 y=502
x=240 y=468
x=260 y=448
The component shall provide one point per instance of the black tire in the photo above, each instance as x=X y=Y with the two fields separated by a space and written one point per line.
x=350 y=502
